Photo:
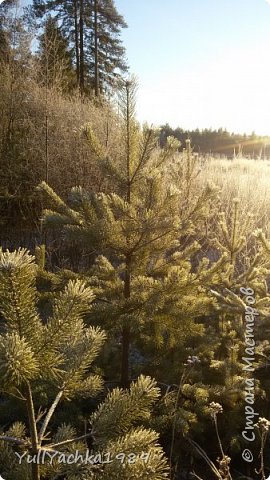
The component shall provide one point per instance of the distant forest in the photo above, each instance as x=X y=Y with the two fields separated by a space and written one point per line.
x=220 y=142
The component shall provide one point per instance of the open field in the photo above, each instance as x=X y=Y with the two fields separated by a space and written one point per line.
x=246 y=179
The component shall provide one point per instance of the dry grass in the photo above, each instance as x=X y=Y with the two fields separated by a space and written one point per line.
x=246 y=179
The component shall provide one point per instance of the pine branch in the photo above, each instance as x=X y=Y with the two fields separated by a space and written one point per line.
x=61 y=327
x=21 y=397
x=155 y=239
x=140 y=163
x=72 y=440
x=40 y=415
x=50 y=414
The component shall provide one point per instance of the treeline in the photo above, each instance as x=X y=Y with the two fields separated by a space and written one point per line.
x=220 y=142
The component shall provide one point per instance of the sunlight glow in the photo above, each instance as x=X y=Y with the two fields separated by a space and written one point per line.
x=219 y=78
x=224 y=92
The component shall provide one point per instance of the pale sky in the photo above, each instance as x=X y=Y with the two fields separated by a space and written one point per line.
x=201 y=63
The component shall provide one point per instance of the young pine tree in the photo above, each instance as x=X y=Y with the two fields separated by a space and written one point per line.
x=222 y=349
x=39 y=360
x=57 y=354
x=247 y=267
x=147 y=287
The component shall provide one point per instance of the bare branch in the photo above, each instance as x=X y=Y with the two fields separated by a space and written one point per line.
x=72 y=440
x=17 y=441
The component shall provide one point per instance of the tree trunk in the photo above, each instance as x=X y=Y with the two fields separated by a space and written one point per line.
x=97 y=87
x=126 y=333
x=81 y=47
x=125 y=356
x=33 y=432
x=76 y=31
